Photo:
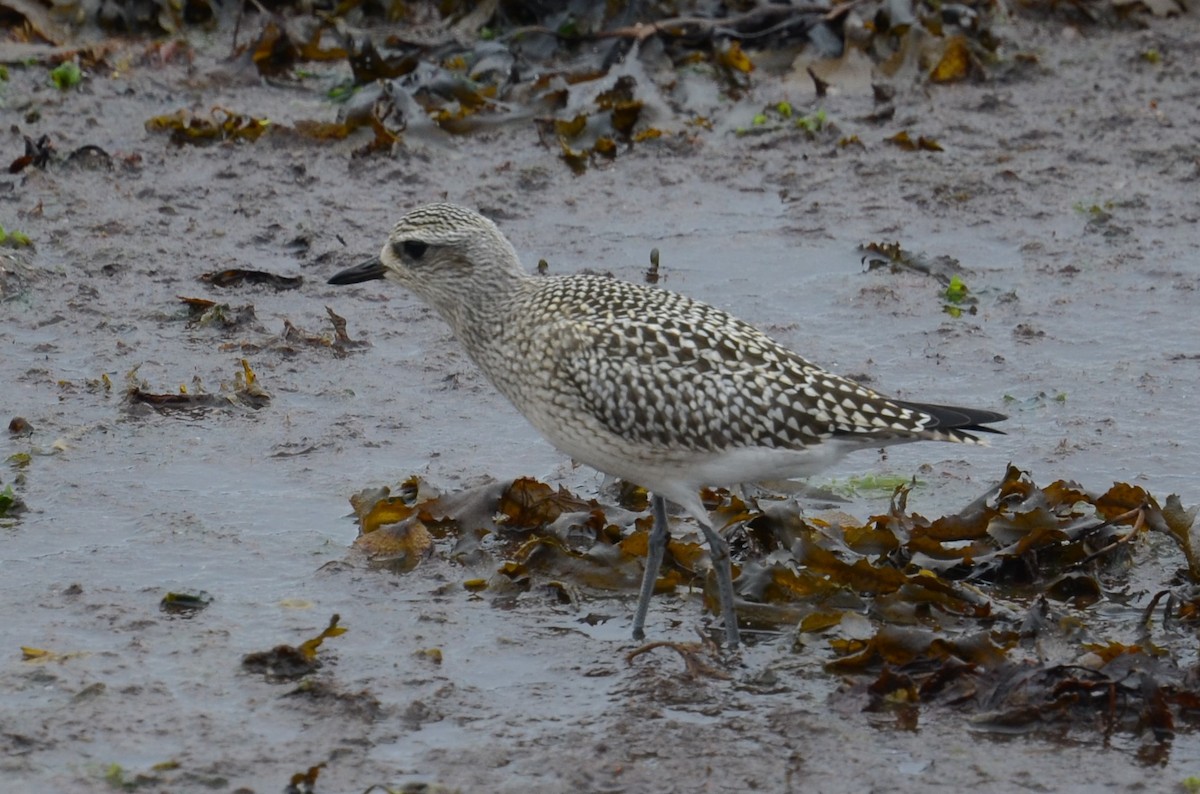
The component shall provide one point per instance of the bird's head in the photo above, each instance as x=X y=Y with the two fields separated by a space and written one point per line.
x=448 y=255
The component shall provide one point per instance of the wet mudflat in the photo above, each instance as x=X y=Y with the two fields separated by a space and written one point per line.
x=1066 y=191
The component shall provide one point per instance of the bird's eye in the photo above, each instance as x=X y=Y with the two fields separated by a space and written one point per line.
x=414 y=249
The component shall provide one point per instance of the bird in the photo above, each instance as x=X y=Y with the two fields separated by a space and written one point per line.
x=645 y=384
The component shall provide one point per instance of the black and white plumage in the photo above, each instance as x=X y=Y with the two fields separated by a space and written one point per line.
x=645 y=384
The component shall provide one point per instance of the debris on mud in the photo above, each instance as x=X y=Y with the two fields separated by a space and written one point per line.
x=243 y=390
x=960 y=611
x=701 y=659
x=37 y=154
x=304 y=782
x=203 y=312
x=922 y=143
x=11 y=504
x=184 y=604
x=234 y=277
x=220 y=124
x=594 y=81
x=288 y=662
x=890 y=255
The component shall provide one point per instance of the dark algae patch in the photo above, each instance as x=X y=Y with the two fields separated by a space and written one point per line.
x=959 y=611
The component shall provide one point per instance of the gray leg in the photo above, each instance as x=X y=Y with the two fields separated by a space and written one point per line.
x=720 y=561
x=659 y=536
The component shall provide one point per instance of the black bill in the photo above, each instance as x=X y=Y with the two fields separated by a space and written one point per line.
x=367 y=271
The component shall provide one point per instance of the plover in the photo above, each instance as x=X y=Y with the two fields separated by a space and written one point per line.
x=642 y=383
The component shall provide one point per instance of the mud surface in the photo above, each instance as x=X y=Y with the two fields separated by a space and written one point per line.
x=1068 y=191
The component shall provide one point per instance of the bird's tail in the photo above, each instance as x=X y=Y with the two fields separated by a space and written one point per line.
x=953 y=423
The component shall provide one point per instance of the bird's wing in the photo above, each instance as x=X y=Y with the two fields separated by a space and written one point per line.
x=685 y=375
